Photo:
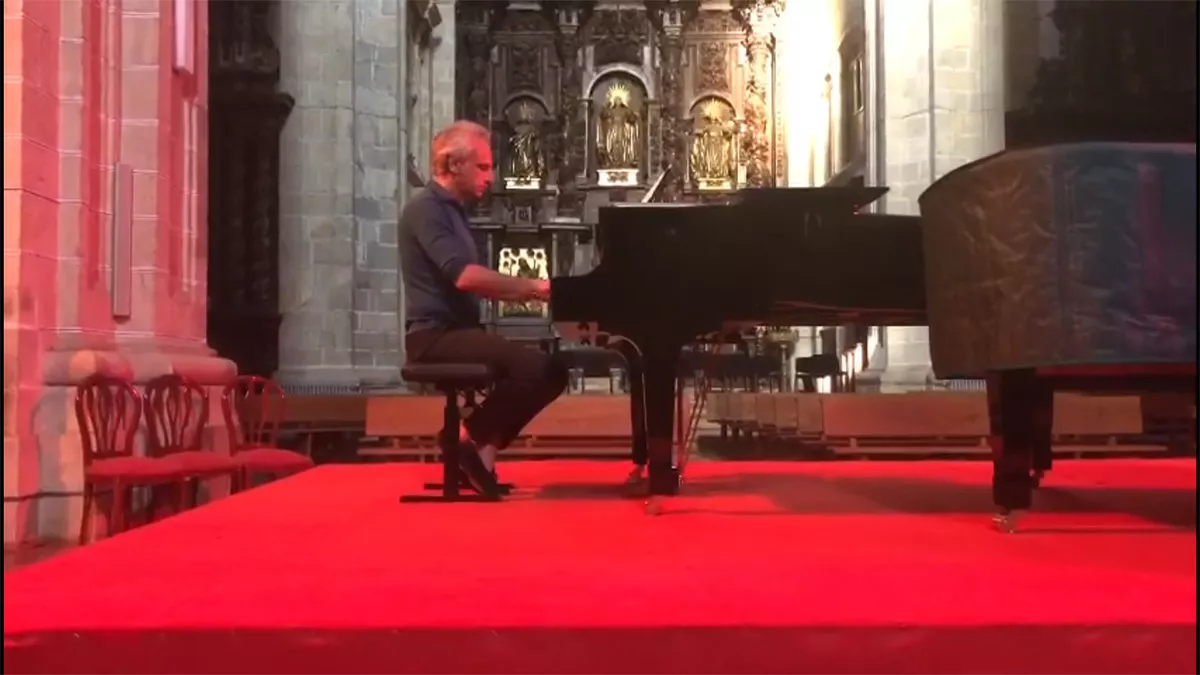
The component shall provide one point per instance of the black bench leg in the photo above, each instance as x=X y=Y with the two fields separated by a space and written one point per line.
x=505 y=488
x=453 y=482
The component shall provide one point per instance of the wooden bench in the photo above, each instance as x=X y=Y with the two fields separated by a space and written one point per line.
x=741 y=413
x=325 y=418
x=771 y=414
x=326 y=412
x=799 y=415
x=960 y=419
x=957 y=421
x=946 y=418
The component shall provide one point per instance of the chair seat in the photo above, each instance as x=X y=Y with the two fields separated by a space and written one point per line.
x=201 y=462
x=270 y=460
x=133 y=469
x=820 y=365
x=458 y=375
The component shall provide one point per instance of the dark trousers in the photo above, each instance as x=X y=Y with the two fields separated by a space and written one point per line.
x=527 y=380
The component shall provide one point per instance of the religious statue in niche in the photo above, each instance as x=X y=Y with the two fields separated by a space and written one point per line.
x=618 y=138
x=526 y=161
x=712 y=161
x=525 y=263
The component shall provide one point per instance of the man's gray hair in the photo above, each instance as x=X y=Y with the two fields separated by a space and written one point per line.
x=454 y=144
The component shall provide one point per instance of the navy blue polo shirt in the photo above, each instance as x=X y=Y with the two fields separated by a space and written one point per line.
x=435 y=245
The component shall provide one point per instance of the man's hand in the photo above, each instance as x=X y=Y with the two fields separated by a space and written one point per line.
x=540 y=289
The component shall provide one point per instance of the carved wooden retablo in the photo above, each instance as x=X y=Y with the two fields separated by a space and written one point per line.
x=527 y=263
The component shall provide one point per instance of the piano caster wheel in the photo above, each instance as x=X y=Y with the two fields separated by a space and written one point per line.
x=1036 y=478
x=654 y=506
x=1006 y=521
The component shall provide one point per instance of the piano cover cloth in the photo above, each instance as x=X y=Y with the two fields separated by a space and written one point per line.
x=1062 y=255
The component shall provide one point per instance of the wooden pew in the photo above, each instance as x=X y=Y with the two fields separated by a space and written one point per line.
x=960 y=420
x=741 y=413
x=800 y=415
x=926 y=418
x=325 y=418
x=764 y=414
x=326 y=412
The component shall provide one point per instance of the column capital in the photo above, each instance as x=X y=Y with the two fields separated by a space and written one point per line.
x=758 y=18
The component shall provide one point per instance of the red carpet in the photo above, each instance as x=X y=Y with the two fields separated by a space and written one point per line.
x=759 y=568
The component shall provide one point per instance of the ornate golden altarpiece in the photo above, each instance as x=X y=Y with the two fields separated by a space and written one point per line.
x=589 y=100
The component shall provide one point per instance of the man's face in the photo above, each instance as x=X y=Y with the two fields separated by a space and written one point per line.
x=475 y=175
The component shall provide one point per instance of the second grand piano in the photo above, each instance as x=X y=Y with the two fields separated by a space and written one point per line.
x=670 y=274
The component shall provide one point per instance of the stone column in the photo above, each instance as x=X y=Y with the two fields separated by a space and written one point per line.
x=377 y=169
x=32 y=199
x=572 y=142
x=943 y=85
x=339 y=162
x=108 y=276
x=316 y=224
x=670 y=94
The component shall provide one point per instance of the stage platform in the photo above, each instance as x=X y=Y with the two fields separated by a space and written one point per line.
x=848 y=567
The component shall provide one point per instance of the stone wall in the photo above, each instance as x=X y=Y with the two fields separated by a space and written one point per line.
x=349 y=64
x=942 y=82
x=89 y=87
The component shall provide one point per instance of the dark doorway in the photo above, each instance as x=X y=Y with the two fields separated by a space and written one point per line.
x=246 y=116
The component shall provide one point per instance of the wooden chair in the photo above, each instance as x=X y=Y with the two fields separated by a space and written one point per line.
x=109 y=412
x=176 y=416
x=253 y=409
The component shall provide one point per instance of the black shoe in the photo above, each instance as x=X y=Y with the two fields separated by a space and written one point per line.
x=476 y=474
x=505 y=489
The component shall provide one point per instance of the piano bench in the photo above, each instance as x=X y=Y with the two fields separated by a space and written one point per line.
x=453 y=376
x=452 y=380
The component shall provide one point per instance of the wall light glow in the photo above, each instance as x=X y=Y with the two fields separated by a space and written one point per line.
x=806 y=54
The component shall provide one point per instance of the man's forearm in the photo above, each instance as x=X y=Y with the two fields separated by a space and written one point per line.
x=490 y=284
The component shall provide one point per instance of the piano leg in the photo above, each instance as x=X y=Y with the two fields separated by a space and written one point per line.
x=660 y=367
x=1020 y=408
x=1042 y=427
x=637 y=398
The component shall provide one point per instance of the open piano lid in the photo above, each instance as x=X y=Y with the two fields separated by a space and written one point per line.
x=841 y=199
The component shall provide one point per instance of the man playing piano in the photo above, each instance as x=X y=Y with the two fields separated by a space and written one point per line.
x=443 y=283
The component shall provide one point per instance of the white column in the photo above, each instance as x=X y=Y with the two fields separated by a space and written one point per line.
x=942 y=80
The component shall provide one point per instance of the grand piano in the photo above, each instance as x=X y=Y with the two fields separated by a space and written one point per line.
x=672 y=274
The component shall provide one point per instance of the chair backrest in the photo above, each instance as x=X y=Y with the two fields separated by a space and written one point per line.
x=253 y=410
x=108 y=411
x=176 y=412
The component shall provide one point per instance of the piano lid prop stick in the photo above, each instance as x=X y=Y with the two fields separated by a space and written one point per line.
x=693 y=426
x=652 y=193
